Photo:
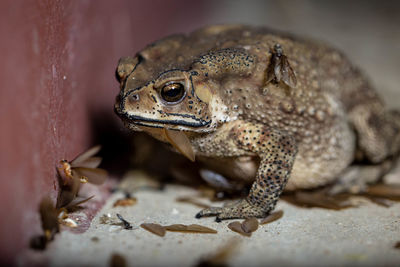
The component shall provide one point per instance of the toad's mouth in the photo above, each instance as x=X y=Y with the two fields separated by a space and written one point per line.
x=164 y=119
x=171 y=119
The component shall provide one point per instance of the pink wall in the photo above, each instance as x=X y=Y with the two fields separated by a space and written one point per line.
x=57 y=73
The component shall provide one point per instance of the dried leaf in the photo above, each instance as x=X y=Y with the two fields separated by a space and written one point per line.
x=125 y=202
x=237 y=227
x=154 y=228
x=384 y=191
x=318 y=199
x=181 y=142
x=250 y=225
x=272 y=217
x=194 y=228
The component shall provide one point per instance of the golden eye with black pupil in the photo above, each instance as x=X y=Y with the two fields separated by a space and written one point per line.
x=173 y=92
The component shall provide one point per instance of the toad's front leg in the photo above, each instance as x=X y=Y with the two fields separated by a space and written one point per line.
x=277 y=151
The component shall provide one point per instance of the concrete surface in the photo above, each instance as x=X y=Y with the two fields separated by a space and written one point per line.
x=361 y=236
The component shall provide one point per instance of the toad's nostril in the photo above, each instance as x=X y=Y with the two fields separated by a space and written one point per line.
x=134 y=97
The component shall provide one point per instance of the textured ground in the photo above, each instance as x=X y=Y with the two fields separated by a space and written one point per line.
x=361 y=236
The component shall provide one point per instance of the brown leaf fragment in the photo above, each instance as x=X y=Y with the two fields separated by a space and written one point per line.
x=397 y=245
x=125 y=202
x=272 y=217
x=319 y=199
x=250 y=225
x=180 y=142
x=384 y=191
x=201 y=229
x=237 y=227
x=117 y=260
x=154 y=228
x=194 y=228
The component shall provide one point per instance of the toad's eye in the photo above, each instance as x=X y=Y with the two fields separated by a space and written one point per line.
x=173 y=92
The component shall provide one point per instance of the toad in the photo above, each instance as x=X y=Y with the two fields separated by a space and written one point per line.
x=266 y=108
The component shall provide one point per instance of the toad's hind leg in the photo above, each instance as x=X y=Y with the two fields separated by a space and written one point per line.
x=378 y=141
x=356 y=178
x=378 y=131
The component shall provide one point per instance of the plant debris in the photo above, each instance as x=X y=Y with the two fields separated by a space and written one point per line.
x=117 y=260
x=380 y=194
x=397 y=245
x=276 y=215
x=154 y=228
x=388 y=191
x=236 y=226
x=319 y=199
x=246 y=227
x=192 y=228
x=127 y=225
x=250 y=225
x=125 y=202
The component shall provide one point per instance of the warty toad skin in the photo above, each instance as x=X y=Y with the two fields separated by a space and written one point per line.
x=276 y=110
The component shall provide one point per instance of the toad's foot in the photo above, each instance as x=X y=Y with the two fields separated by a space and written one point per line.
x=239 y=210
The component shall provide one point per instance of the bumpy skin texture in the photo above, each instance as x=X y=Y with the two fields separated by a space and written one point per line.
x=296 y=110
